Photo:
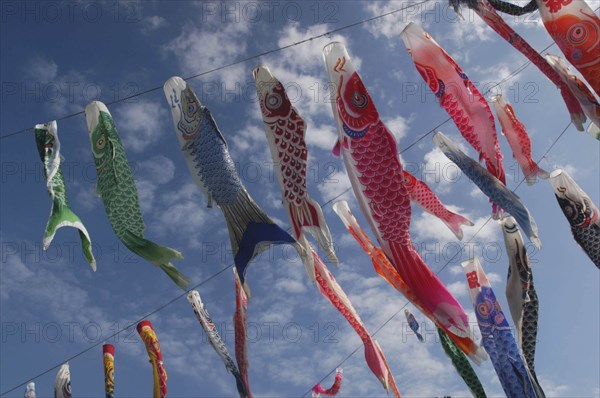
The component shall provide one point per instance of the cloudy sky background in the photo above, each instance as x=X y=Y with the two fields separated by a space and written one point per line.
x=58 y=58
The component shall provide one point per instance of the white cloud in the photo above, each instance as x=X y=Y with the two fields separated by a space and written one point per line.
x=141 y=124
x=458 y=289
x=391 y=25
x=471 y=29
x=211 y=46
x=335 y=185
x=158 y=169
x=398 y=126
x=153 y=23
x=43 y=70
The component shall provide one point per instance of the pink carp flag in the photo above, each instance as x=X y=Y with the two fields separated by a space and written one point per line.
x=319 y=390
x=457 y=95
x=387 y=271
x=371 y=158
x=488 y=14
x=421 y=194
x=518 y=139
x=373 y=353
x=587 y=99
x=241 y=333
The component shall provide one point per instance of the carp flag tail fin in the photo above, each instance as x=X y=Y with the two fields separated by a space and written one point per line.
x=158 y=255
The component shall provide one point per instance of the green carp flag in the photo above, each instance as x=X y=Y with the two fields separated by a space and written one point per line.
x=116 y=186
x=48 y=145
x=462 y=365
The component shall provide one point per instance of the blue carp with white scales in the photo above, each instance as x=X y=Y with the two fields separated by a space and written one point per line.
x=490 y=186
x=204 y=148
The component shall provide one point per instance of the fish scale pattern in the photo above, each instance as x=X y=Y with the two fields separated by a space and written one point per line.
x=115 y=182
x=214 y=165
x=381 y=175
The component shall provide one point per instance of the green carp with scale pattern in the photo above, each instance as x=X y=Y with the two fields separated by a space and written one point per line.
x=61 y=215
x=116 y=186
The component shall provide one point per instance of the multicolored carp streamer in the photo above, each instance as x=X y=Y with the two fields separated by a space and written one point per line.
x=204 y=148
x=576 y=30
x=489 y=15
x=215 y=340
x=241 y=333
x=62 y=384
x=457 y=95
x=159 y=374
x=422 y=195
x=461 y=364
x=580 y=211
x=318 y=390
x=48 y=145
x=30 y=390
x=521 y=296
x=373 y=353
x=371 y=158
x=518 y=139
x=490 y=186
x=108 y=353
x=413 y=324
x=387 y=271
x=496 y=334
x=285 y=130
x=116 y=187
x=587 y=99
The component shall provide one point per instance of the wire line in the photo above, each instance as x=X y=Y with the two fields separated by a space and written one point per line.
x=237 y=62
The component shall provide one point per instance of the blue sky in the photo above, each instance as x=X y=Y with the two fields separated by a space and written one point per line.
x=56 y=57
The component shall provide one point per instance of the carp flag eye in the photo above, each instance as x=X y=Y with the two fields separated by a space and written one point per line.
x=360 y=100
x=191 y=107
x=101 y=143
x=577 y=34
x=483 y=309
x=274 y=101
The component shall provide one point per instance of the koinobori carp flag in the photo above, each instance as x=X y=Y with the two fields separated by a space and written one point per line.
x=62 y=384
x=285 y=130
x=413 y=324
x=581 y=213
x=371 y=158
x=319 y=390
x=373 y=353
x=159 y=374
x=204 y=148
x=518 y=139
x=30 y=390
x=496 y=334
x=108 y=354
x=490 y=186
x=521 y=296
x=282 y=135
x=461 y=364
x=240 y=319
x=387 y=271
x=488 y=14
x=48 y=145
x=421 y=194
x=457 y=95
x=575 y=28
x=588 y=101
x=215 y=340
x=116 y=187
